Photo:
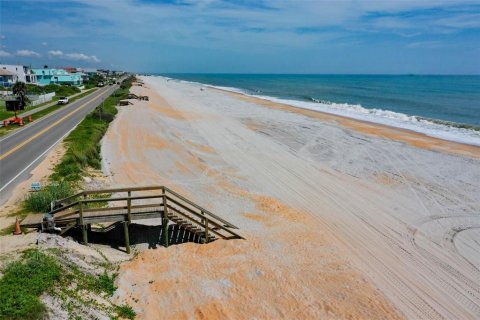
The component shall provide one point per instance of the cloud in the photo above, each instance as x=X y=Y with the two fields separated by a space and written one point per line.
x=81 y=57
x=55 y=53
x=73 y=56
x=27 y=53
x=5 y=54
x=424 y=44
x=196 y=30
x=257 y=24
x=241 y=24
x=44 y=43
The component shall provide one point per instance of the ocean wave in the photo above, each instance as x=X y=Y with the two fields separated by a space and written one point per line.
x=445 y=130
x=436 y=128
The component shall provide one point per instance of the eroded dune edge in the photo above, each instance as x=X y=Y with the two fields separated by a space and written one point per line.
x=341 y=219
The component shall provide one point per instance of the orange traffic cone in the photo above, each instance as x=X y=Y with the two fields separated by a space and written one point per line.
x=17 y=227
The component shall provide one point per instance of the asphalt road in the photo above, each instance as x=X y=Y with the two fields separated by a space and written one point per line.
x=22 y=150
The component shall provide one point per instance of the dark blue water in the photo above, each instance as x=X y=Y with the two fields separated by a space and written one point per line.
x=449 y=98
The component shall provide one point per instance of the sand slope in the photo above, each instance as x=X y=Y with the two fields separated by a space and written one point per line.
x=330 y=213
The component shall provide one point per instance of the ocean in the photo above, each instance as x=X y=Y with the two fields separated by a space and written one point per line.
x=446 y=107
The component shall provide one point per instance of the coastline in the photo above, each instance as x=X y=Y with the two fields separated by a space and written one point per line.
x=411 y=137
x=328 y=211
x=393 y=108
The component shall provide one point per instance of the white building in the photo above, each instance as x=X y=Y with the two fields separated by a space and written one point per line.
x=23 y=73
x=7 y=78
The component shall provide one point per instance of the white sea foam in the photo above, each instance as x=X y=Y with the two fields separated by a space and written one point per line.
x=390 y=118
x=385 y=117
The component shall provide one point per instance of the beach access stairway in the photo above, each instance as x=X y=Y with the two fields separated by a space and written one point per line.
x=124 y=205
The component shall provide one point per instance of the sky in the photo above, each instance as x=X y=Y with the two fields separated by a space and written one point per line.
x=245 y=36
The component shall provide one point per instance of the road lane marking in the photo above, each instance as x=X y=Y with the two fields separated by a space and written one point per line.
x=9 y=152
x=36 y=159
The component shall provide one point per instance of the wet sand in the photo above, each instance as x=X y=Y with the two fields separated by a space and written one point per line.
x=341 y=220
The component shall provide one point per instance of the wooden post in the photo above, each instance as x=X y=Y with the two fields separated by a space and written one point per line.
x=85 y=228
x=127 y=238
x=206 y=230
x=129 y=207
x=85 y=235
x=165 y=219
x=82 y=223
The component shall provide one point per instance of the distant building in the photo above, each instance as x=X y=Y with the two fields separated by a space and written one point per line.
x=88 y=73
x=7 y=78
x=57 y=76
x=69 y=69
x=22 y=73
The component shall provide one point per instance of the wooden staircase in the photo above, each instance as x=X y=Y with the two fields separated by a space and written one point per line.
x=127 y=204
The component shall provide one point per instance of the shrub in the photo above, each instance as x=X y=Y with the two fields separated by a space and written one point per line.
x=60 y=90
x=23 y=282
x=125 y=311
x=40 y=201
x=107 y=283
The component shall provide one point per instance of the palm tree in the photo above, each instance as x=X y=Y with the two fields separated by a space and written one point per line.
x=20 y=90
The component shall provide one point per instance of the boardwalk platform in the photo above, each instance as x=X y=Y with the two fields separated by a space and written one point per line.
x=128 y=204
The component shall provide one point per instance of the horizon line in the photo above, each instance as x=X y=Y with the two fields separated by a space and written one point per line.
x=316 y=74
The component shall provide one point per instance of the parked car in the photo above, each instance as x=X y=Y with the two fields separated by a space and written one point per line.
x=63 y=100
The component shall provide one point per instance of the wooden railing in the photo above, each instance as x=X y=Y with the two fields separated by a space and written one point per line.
x=83 y=208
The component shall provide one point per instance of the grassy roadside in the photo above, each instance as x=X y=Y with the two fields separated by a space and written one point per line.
x=49 y=271
x=42 y=113
x=83 y=148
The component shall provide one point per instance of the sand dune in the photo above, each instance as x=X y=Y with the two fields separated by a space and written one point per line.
x=340 y=222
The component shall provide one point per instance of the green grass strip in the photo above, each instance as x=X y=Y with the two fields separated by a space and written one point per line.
x=83 y=143
x=23 y=282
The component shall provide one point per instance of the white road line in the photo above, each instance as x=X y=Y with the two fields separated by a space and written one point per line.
x=36 y=159
x=45 y=152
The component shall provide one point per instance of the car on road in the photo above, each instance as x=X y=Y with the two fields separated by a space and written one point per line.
x=62 y=100
x=100 y=84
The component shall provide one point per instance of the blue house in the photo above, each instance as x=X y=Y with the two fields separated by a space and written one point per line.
x=57 y=76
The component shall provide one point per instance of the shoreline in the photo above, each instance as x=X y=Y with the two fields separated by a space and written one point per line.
x=414 y=138
x=442 y=129
x=322 y=207
x=189 y=165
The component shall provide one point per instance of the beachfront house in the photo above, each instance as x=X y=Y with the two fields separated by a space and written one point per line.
x=88 y=73
x=57 y=76
x=21 y=74
x=7 y=78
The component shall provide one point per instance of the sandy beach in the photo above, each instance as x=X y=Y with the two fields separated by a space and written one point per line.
x=342 y=219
